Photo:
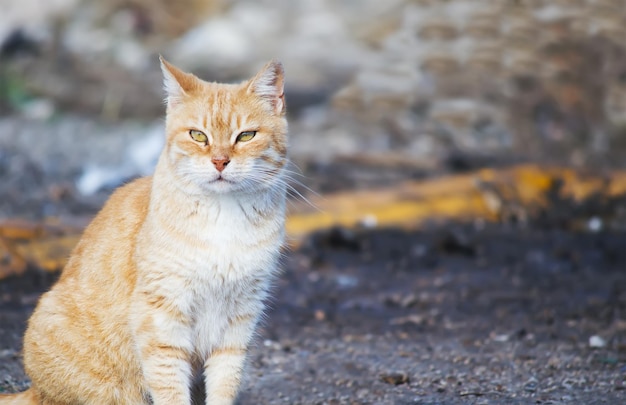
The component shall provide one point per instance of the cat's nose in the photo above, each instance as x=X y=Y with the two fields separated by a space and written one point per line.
x=220 y=162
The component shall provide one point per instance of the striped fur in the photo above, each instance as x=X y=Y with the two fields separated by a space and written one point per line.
x=168 y=281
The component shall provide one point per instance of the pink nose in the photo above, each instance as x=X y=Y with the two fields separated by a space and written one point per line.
x=220 y=162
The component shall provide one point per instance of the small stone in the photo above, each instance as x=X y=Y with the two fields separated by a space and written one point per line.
x=8 y=353
x=319 y=315
x=531 y=385
x=500 y=338
x=568 y=383
x=369 y=221
x=346 y=281
x=413 y=319
x=362 y=393
x=596 y=342
x=271 y=344
x=395 y=378
x=595 y=224
x=409 y=301
x=40 y=109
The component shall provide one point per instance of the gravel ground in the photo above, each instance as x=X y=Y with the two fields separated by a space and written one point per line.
x=456 y=314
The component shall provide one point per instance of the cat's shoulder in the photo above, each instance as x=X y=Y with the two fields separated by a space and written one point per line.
x=137 y=188
x=134 y=192
x=130 y=199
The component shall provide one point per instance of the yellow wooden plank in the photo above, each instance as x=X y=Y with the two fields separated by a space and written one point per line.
x=485 y=194
x=461 y=197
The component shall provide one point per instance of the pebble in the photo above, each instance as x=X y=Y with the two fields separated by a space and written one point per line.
x=500 y=338
x=395 y=378
x=346 y=281
x=7 y=353
x=362 y=393
x=531 y=385
x=40 y=109
x=596 y=342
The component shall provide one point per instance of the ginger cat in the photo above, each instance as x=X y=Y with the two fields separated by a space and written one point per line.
x=164 y=290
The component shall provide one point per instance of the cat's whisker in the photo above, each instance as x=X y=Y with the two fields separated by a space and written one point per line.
x=267 y=176
x=295 y=193
x=298 y=168
x=292 y=172
x=288 y=174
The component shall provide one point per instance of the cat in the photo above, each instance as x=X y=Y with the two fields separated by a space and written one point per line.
x=168 y=282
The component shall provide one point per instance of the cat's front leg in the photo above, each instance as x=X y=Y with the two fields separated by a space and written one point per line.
x=163 y=344
x=167 y=372
x=223 y=369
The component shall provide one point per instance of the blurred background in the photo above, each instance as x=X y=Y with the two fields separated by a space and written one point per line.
x=507 y=114
x=377 y=92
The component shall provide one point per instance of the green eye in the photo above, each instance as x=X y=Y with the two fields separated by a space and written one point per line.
x=246 y=136
x=198 y=136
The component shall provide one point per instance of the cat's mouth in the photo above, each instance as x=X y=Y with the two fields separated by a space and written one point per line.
x=221 y=179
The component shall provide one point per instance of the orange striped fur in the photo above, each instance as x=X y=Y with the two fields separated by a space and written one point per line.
x=167 y=284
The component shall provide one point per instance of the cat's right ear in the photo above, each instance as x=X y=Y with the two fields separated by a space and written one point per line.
x=269 y=84
x=177 y=83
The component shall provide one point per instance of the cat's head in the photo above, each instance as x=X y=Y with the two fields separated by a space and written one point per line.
x=225 y=138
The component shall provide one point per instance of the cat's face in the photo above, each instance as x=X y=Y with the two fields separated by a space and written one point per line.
x=226 y=138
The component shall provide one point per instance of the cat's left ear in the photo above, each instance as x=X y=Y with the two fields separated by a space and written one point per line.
x=269 y=84
x=176 y=82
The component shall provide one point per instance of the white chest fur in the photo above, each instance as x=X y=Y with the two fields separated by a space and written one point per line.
x=213 y=260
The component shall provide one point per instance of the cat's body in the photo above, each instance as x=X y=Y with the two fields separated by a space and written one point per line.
x=167 y=283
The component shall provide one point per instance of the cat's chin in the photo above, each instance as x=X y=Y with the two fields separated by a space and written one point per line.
x=221 y=186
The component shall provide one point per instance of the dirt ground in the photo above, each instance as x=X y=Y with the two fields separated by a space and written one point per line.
x=453 y=314
x=520 y=312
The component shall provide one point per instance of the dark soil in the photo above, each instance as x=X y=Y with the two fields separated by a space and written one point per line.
x=455 y=314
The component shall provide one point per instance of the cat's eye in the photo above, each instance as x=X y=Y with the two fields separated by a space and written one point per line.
x=198 y=136
x=245 y=136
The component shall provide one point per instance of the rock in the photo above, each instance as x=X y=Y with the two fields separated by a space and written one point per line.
x=133 y=56
x=141 y=156
x=40 y=109
x=233 y=43
x=32 y=16
x=595 y=224
x=596 y=342
x=531 y=385
x=500 y=338
x=395 y=378
x=16 y=43
x=413 y=319
x=220 y=43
